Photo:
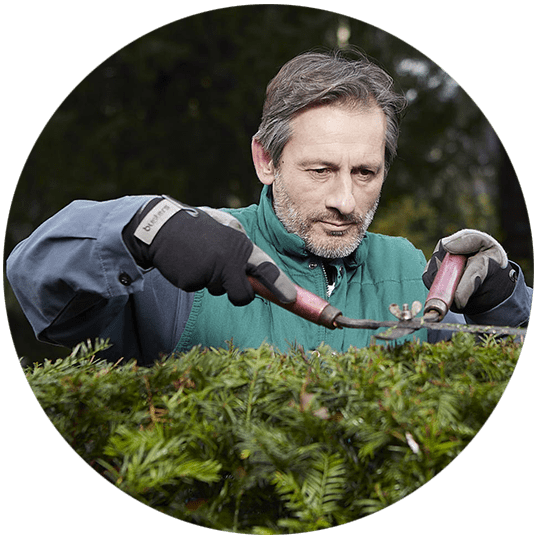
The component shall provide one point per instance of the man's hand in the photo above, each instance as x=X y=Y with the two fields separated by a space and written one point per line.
x=197 y=248
x=488 y=278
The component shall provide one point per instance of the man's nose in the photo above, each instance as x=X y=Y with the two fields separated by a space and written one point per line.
x=340 y=196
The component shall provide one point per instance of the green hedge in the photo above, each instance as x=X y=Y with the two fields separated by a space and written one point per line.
x=259 y=442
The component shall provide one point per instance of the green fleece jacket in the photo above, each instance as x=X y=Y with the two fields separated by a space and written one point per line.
x=383 y=270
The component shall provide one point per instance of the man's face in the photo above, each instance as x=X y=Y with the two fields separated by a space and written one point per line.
x=327 y=185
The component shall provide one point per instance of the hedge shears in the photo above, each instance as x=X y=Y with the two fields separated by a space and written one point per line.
x=311 y=307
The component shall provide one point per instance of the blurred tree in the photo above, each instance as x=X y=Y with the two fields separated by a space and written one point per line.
x=174 y=111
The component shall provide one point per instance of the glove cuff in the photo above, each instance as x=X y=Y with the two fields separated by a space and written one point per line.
x=138 y=249
x=497 y=286
x=140 y=232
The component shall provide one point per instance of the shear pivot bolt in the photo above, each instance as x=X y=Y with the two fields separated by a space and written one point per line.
x=405 y=314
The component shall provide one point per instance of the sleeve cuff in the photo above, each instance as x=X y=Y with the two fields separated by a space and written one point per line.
x=122 y=274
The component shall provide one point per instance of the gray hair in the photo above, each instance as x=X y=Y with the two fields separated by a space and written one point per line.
x=315 y=78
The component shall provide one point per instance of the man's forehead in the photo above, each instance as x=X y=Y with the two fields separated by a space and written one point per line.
x=351 y=105
x=326 y=124
x=316 y=113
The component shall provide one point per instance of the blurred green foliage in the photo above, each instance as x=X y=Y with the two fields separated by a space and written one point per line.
x=174 y=112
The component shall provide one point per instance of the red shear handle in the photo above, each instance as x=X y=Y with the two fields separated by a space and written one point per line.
x=307 y=305
x=444 y=286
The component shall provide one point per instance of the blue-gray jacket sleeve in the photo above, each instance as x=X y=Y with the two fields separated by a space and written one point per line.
x=513 y=312
x=75 y=279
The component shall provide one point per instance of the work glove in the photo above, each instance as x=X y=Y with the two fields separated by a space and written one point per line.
x=488 y=278
x=197 y=248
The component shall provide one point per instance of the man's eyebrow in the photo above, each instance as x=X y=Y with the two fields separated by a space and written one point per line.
x=308 y=163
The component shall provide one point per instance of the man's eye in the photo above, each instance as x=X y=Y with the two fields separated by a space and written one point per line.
x=365 y=173
x=320 y=171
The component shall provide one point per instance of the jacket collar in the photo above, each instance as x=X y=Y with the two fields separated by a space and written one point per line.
x=289 y=244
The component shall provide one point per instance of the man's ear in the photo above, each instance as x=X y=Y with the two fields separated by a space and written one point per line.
x=263 y=163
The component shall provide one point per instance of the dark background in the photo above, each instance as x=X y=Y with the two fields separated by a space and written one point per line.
x=174 y=112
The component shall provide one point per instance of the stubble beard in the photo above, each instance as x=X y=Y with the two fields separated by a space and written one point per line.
x=335 y=244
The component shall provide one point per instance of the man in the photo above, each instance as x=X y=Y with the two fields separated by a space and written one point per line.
x=156 y=276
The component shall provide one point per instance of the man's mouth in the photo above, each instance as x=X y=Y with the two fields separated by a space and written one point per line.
x=336 y=227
